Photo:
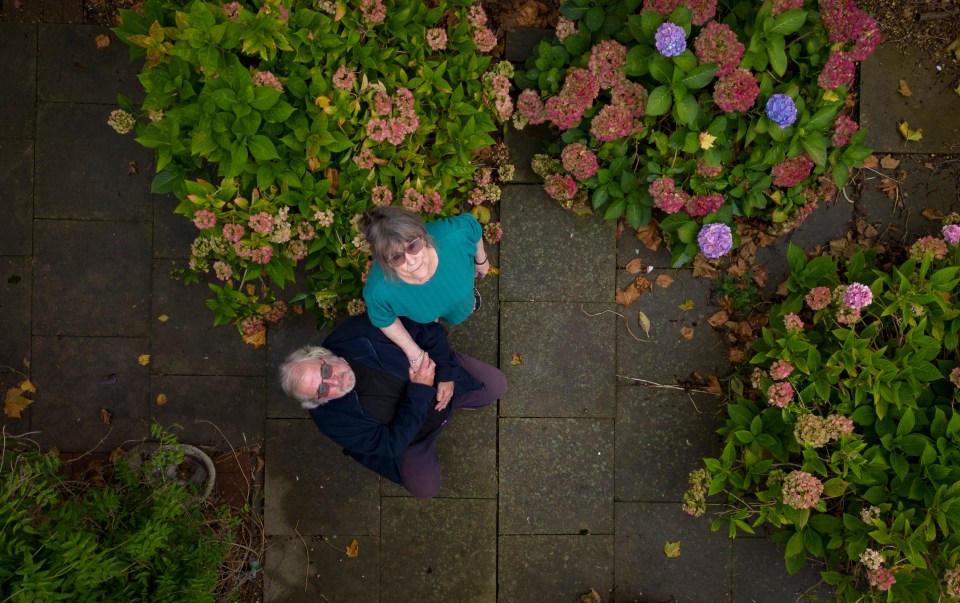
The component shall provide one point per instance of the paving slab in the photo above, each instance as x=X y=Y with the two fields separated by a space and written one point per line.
x=468 y=457
x=16 y=211
x=643 y=573
x=556 y=476
x=443 y=549
x=172 y=233
x=933 y=106
x=666 y=356
x=73 y=70
x=15 y=293
x=553 y=254
x=523 y=145
x=316 y=568
x=291 y=333
x=554 y=569
x=223 y=412
x=759 y=575
x=478 y=335
x=62 y=11
x=17 y=11
x=522 y=42
x=567 y=359
x=662 y=436
x=187 y=343
x=78 y=377
x=18 y=80
x=72 y=182
x=91 y=278
x=311 y=487
x=630 y=248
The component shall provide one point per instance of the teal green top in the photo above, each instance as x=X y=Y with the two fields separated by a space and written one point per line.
x=449 y=292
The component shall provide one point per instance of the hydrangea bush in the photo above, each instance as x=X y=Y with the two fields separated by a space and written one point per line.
x=847 y=437
x=277 y=123
x=690 y=113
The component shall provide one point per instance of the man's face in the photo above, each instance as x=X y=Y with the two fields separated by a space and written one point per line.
x=327 y=379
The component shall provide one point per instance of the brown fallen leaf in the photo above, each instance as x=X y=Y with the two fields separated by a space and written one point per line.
x=736 y=355
x=889 y=163
x=255 y=339
x=703 y=268
x=106 y=417
x=672 y=549
x=904 y=89
x=353 y=549
x=27 y=386
x=718 y=319
x=713 y=385
x=517 y=359
x=933 y=214
x=871 y=162
x=116 y=453
x=686 y=306
x=649 y=236
x=15 y=403
x=528 y=14
x=634 y=266
x=132 y=169
x=686 y=332
x=143 y=359
x=591 y=597
x=333 y=175
x=664 y=281
x=161 y=399
x=625 y=297
x=102 y=41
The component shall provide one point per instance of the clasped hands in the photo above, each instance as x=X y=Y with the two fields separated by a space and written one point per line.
x=423 y=371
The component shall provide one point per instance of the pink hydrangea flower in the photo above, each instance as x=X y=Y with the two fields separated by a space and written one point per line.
x=484 y=39
x=492 y=232
x=262 y=254
x=306 y=231
x=780 y=394
x=801 y=490
x=560 y=187
x=344 y=78
x=791 y=172
x=373 y=11
x=857 y=296
x=476 y=16
x=792 y=322
x=266 y=78
x=782 y=6
x=324 y=218
x=252 y=325
x=847 y=316
x=612 y=123
x=365 y=159
x=381 y=196
x=565 y=28
x=701 y=11
x=866 y=37
x=736 y=91
x=232 y=10
x=819 y=298
x=223 y=270
x=531 y=107
x=631 y=95
x=579 y=161
x=606 y=62
x=951 y=234
x=412 y=199
x=437 y=38
x=671 y=203
x=707 y=171
x=702 y=205
x=261 y=223
x=951 y=579
x=838 y=71
x=204 y=219
x=781 y=369
x=234 y=232
x=937 y=248
x=843 y=129
x=717 y=43
x=276 y=311
x=882 y=578
x=579 y=90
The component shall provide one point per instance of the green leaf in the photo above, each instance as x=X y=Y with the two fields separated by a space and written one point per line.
x=777 y=54
x=794 y=545
x=685 y=61
x=823 y=118
x=687 y=111
x=262 y=148
x=816 y=147
x=659 y=101
x=638 y=61
x=786 y=23
x=699 y=77
x=649 y=22
x=661 y=69
x=594 y=18
x=264 y=97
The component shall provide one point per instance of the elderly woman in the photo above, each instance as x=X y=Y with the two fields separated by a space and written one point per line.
x=422 y=272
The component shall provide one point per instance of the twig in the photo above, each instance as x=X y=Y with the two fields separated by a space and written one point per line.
x=936 y=15
x=306 y=549
x=95 y=446
x=233 y=451
x=654 y=384
x=625 y=323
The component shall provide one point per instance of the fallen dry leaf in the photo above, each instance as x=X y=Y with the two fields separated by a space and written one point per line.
x=933 y=214
x=517 y=359
x=672 y=549
x=27 y=386
x=493 y=271
x=116 y=453
x=889 y=163
x=686 y=306
x=15 y=403
x=163 y=318
x=106 y=417
x=904 y=89
x=634 y=266
x=102 y=41
x=686 y=332
x=871 y=162
x=649 y=236
x=644 y=323
x=251 y=289
x=143 y=359
x=718 y=319
x=591 y=597
x=625 y=297
x=255 y=339
x=132 y=168
x=353 y=549
x=703 y=268
x=161 y=399
x=713 y=385
x=908 y=134
x=736 y=355
x=528 y=14
x=664 y=281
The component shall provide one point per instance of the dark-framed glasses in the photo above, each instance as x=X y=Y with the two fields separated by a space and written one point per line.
x=411 y=248
x=326 y=371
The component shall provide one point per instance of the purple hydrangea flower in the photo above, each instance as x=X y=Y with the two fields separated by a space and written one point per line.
x=951 y=234
x=781 y=110
x=857 y=296
x=671 y=40
x=715 y=240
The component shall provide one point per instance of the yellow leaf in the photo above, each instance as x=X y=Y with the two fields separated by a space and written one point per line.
x=341 y=11
x=686 y=332
x=27 y=386
x=957 y=89
x=163 y=318
x=161 y=399
x=909 y=134
x=672 y=549
x=14 y=403
x=830 y=96
x=644 y=323
x=904 y=89
x=251 y=289
x=707 y=140
x=102 y=41
x=493 y=271
x=255 y=339
x=933 y=214
x=353 y=550
x=143 y=359
x=686 y=306
x=481 y=213
x=322 y=101
x=517 y=360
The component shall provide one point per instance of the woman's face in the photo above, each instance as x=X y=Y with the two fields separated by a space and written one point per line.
x=410 y=259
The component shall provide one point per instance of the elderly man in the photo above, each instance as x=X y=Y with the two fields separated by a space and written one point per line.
x=364 y=395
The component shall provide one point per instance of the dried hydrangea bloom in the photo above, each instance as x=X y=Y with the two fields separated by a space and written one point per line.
x=717 y=43
x=801 y=490
x=736 y=91
x=791 y=172
x=937 y=248
x=121 y=121
x=838 y=71
x=780 y=394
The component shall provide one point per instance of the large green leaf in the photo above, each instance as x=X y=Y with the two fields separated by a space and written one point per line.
x=699 y=77
x=659 y=101
x=788 y=22
x=262 y=148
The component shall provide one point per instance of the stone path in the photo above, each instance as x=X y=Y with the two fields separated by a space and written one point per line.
x=573 y=482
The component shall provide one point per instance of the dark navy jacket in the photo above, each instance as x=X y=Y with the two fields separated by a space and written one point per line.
x=377 y=446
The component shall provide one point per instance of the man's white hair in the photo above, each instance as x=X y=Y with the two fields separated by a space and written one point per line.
x=291 y=373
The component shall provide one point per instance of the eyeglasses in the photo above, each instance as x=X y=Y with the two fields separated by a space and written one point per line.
x=326 y=371
x=412 y=248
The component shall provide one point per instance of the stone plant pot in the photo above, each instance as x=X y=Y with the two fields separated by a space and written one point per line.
x=196 y=472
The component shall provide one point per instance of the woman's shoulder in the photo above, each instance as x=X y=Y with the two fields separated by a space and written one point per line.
x=463 y=223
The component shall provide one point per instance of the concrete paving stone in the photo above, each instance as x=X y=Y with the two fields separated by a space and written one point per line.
x=91 y=278
x=16 y=211
x=18 y=80
x=662 y=436
x=223 y=412
x=933 y=106
x=438 y=550
x=291 y=333
x=665 y=356
x=18 y=11
x=172 y=233
x=315 y=568
x=311 y=487
x=644 y=573
x=72 y=182
x=187 y=343
x=551 y=254
x=468 y=457
x=759 y=575
x=522 y=42
x=568 y=359
x=73 y=70
x=15 y=294
x=523 y=145
x=62 y=11
x=478 y=335
x=78 y=377
x=556 y=476
x=554 y=569
x=630 y=248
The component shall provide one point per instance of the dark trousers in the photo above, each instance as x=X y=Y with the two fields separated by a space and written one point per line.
x=420 y=464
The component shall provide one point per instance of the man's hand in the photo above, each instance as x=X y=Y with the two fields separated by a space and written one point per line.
x=444 y=394
x=424 y=375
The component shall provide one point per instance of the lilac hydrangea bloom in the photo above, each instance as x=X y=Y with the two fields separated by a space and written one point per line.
x=857 y=296
x=715 y=240
x=951 y=234
x=781 y=110
x=670 y=39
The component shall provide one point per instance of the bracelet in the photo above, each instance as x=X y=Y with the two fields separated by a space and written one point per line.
x=417 y=359
x=480 y=263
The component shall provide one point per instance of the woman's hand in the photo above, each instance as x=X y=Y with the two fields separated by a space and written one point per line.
x=444 y=394
x=480 y=270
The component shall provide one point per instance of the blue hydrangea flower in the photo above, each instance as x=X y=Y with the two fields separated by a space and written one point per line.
x=781 y=110
x=671 y=40
x=715 y=240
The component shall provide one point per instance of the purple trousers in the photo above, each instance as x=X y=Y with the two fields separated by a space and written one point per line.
x=420 y=464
